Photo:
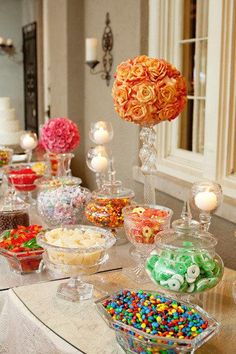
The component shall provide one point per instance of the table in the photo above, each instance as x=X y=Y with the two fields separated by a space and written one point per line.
x=84 y=331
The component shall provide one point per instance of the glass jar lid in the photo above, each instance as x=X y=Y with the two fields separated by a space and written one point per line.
x=55 y=182
x=171 y=239
x=113 y=189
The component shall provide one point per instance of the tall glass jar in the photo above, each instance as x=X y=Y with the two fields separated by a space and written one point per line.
x=106 y=204
x=184 y=260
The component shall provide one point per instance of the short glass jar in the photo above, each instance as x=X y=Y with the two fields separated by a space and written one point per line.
x=61 y=200
x=106 y=204
x=185 y=261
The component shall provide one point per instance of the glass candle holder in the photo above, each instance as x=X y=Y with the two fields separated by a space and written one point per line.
x=206 y=196
x=101 y=132
x=28 y=142
x=98 y=162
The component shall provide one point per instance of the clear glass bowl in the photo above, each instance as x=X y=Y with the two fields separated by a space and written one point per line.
x=76 y=257
x=142 y=224
x=61 y=200
x=22 y=178
x=185 y=263
x=136 y=341
x=22 y=262
x=5 y=156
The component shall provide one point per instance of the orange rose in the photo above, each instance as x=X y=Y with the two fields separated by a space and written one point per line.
x=167 y=93
x=136 y=111
x=123 y=71
x=156 y=70
x=137 y=72
x=121 y=94
x=145 y=93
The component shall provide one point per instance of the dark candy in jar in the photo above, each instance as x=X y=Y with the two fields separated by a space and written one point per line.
x=11 y=219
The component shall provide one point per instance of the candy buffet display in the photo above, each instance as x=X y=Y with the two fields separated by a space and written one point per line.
x=206 y=197
x=150 y=323
x=185 y=262
x=75 y=251
x=142 y=224
x=61 y=200
x=5 y=156
x=105 y=207
x=148 y=91
x=21 y=250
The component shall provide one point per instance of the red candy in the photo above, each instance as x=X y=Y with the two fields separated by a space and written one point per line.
x=23 y=180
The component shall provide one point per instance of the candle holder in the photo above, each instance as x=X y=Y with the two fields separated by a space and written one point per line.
x=28 y=142
x=107 y=45
x=98 y=161
x=206 y=197
x=101 y=132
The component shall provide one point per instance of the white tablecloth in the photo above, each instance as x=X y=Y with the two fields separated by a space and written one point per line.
x=22 y=333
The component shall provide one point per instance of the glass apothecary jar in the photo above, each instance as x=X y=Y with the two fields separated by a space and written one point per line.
x=13 y=211
x=61 y=200
x=184 y=260
x=106 y=204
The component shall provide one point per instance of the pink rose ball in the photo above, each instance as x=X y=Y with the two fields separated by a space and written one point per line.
x=60 y=135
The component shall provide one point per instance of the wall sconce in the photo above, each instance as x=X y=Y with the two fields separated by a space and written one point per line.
x=107 y=59
x=6 y=46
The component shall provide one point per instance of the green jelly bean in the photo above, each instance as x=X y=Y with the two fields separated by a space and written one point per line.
x=187 y=244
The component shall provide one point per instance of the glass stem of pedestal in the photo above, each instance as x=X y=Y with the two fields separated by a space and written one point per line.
x=100 y=178
x=75 y=282
x=148 y=157
x=205 y=220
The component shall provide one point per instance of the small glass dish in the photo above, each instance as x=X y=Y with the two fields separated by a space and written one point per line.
x=136 y=341
x=19 y=247
x=24 y=262
x=76 y=253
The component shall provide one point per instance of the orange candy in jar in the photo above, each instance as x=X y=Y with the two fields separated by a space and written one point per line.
x=105 y=207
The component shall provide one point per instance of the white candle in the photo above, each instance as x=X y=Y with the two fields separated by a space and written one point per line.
x=2 y=41
x=206 y=201
x=9 y=42
x=28 y=143
x=101 y=136
x=99 y=163
x=91 y=49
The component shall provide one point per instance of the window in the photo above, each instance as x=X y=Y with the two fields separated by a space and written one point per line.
x=198 y=37
x=193 y=51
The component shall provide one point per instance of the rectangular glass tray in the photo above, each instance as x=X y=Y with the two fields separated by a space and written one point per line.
x=153 y=344
x=23 y=262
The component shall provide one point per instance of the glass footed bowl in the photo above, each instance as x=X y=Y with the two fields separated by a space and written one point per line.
x=142 y=224
x=185 y=263
x=81 y=252
x=61 y=200
x=23 y=177
x=137 y=341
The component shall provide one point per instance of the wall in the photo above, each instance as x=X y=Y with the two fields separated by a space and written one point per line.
x=11 y=69
x=129 y=26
